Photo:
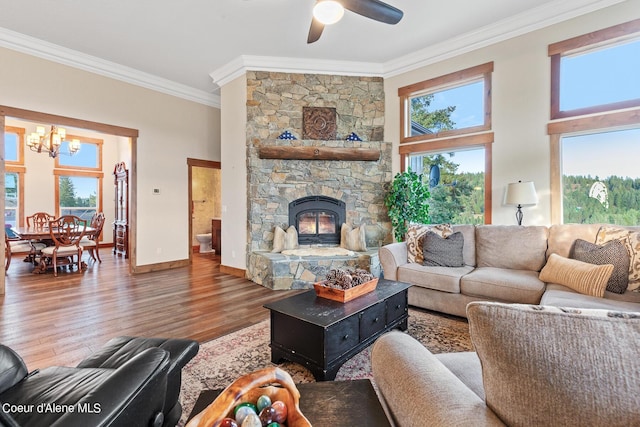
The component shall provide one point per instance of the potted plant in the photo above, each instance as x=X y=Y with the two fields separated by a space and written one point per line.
x=407 y=202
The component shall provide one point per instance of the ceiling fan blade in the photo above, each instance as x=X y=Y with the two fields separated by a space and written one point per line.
x=374 y=9
x=315 y=31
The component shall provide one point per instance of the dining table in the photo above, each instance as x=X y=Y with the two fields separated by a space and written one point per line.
x=41 y=234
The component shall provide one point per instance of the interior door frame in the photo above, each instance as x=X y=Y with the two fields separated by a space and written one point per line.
x=201 y=164
x=132 y=134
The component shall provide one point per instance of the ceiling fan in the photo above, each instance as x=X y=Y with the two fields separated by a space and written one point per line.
x=327 y=12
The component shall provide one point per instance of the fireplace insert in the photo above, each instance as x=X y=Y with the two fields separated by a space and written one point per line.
x=318 y=219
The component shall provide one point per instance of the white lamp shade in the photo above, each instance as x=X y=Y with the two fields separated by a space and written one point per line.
x=328 y=12
x=521 y=193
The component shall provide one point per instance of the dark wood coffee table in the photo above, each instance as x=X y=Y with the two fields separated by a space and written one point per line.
x=329 y=403
x=322 y=334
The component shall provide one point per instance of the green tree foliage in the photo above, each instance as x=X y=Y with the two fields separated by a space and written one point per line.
x=435 y=121
x=407 y=202
x=459 y=197
x=623 y=196
x=67 y=192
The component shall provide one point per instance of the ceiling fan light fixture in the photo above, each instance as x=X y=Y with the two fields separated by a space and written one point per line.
x=328 y=12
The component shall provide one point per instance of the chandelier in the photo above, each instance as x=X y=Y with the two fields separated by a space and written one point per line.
x=42 y=141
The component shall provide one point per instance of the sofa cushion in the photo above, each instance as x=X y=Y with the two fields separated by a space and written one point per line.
x=502 y=284
x=547 y=366
x=562 y=236
x=443 y=252
x=446 y=279
x=588 y=279
x=415 y=235
x=562 y=296
x=631 y=240
x=469 y=250
x=614 y=253
x=511 y=246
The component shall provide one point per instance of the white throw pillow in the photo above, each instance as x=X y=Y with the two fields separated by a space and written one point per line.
x=353 y=239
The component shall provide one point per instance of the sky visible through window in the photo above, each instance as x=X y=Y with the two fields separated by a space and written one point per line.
x=468 y=100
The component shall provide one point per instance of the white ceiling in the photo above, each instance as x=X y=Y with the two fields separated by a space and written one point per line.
x=182 y=46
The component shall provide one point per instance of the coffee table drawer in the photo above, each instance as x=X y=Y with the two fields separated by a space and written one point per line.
x=397 y=306
x=342 y=337
x=372 y=320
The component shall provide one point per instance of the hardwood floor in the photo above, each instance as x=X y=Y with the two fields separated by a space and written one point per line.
x=60 y=320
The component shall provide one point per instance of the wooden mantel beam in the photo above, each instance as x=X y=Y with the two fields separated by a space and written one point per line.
x=318 y=153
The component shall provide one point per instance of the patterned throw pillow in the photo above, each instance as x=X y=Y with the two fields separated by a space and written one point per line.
x=443 y=252
x=588 y=279
x=631 y=240
x=613 y=252
x=415 y=235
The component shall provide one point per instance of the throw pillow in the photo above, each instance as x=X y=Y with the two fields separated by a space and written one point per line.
x=353 y=239
x=415 y=235
x=631 y=240
x=613 y=252
x=588 y=279
x=443 y=252
x=284 y=240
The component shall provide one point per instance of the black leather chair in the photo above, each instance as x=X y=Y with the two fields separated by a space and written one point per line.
x=129 y=382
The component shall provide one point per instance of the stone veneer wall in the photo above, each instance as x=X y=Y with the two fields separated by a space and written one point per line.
x=274 y=105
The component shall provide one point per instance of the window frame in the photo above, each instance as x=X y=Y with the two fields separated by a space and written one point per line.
x=82 y=174
x=456 y=79
x=18 y=167
x=83 y=141
x=617 y=33
x=484 y=140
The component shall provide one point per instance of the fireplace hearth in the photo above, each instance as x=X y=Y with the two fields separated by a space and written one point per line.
x=318 y=219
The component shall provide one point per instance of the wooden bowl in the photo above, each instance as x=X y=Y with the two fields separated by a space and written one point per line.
x=247 y=389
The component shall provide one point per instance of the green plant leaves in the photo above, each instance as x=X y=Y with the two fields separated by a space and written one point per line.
x=407 y=202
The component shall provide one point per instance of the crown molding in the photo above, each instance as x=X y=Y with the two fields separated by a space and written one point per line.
x=55 y=53
x=244 y=63
x=540 y=17
x=535 y=19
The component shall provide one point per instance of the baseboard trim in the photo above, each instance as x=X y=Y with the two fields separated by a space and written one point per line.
x=238 y=272
x=147 y=268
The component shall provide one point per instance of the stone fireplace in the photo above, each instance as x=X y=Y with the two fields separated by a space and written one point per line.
x=347 y=191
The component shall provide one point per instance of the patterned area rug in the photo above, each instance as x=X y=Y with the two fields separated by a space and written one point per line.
x=219 y=362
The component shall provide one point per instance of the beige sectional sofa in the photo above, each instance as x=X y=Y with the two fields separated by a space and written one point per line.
x=502 y=263
x=533 y=366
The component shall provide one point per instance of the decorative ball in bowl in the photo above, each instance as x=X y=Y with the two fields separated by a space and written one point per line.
x=263 y=397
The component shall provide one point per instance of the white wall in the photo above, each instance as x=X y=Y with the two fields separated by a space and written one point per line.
x=520 y=104
x=234 y=173
x=170 y=130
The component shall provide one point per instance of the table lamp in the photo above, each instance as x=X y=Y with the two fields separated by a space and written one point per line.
x=521 y=194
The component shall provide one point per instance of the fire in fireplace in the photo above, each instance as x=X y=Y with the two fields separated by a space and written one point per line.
x=318 y=219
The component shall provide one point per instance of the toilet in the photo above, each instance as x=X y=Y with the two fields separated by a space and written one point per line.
x=205 y=242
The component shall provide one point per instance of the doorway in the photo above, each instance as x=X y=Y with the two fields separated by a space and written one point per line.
x=205 y=207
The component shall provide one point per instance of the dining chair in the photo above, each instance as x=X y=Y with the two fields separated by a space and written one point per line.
x=66 y=233
x=15 y=246
x=38 y=220
x=90 y=240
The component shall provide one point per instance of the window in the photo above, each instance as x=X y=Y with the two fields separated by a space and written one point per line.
x=14 y=176
x=446 y=121
x=596 y=72
x=79 y=179
x=596 y=144
x=455 y=104
x=456 y=183
x=596 y=190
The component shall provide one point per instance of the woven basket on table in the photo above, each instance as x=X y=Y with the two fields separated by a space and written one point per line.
x=247 y=389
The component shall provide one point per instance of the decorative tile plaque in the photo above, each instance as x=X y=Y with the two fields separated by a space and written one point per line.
x=319 y=123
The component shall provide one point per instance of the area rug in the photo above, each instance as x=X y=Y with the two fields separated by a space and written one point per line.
x=219 y=362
